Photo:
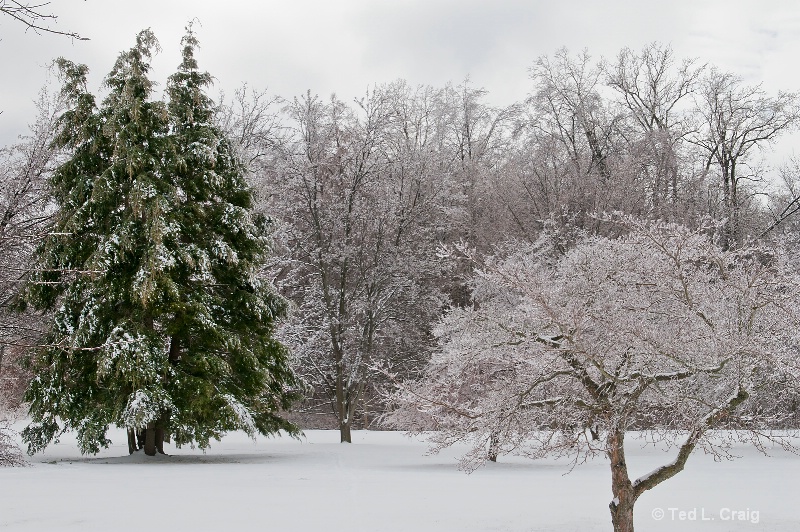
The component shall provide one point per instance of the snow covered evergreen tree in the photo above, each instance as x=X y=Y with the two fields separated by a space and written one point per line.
x=161 y=322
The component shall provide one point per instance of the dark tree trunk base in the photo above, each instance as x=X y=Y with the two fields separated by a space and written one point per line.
x=344 y=433
x=154 y=440
x=132 y=441
x=622 y=517
x=150 y=441
x=160 y=440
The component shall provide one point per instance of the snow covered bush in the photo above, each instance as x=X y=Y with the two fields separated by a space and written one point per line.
x=10 y=454
x=658 y=330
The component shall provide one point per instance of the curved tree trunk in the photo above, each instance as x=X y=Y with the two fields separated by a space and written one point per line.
x=622 y=488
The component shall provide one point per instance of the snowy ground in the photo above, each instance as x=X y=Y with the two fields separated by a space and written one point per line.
x=384 y=481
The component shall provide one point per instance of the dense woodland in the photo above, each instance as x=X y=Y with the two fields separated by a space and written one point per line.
x=368 y=196
x=366 y=200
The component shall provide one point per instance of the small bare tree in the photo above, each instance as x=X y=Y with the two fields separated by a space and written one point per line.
x=250 y=118
x=654 y=90
x=659 y=330
x=577 y=141
x=360 y=193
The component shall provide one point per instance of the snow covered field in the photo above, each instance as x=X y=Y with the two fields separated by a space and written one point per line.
x=384 y=481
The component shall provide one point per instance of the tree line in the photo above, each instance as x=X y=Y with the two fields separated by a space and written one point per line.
x=610 y=254
x=360 y=196
x=366 y=194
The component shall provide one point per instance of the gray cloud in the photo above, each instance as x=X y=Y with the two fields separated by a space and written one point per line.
x=346 y=46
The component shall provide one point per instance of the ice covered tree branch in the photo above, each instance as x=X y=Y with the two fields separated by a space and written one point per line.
x=668 y=471
x=35 y=17
x=613 y=337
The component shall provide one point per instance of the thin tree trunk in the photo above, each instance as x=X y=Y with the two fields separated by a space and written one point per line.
x=726 y=201
x=494 y=447
x=674 y=183
x=342 y=410
x=735 y=229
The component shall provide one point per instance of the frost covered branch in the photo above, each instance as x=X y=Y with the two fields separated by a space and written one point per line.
x=35 y=18
x=616 y=336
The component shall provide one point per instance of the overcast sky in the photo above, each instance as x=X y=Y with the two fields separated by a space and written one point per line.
x=344 y=46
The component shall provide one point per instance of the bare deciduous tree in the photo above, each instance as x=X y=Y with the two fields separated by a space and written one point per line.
x=251 y=120
x=24 y=214
x=785 y=202
x=735 y=120
x=654 y=91
x=567 y=97
x=352 y=206
x=659 y=330
x=576 y=135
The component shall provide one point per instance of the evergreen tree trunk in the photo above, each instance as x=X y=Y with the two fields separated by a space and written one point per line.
x=160 y=439
x=154 y=439
x=150 y=440
x=132 y=440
